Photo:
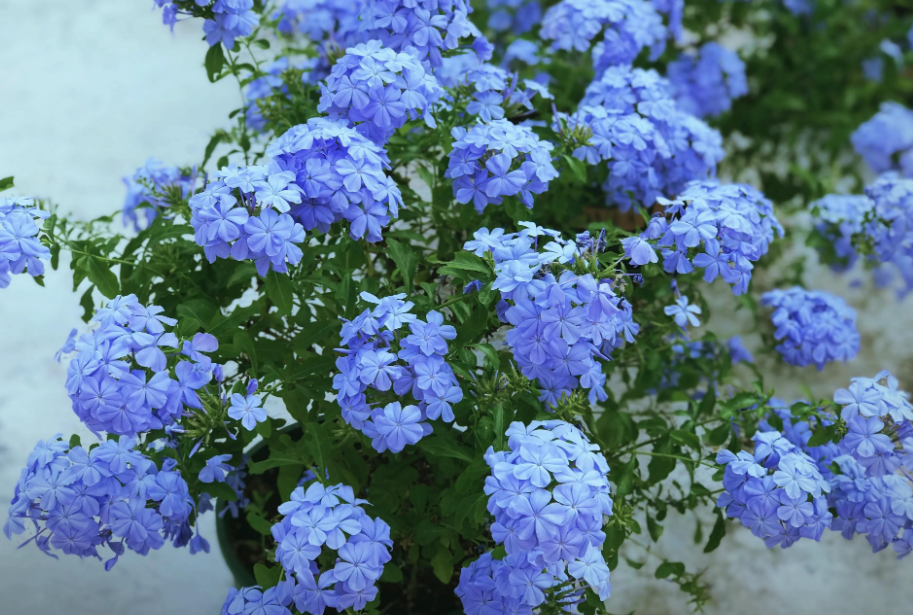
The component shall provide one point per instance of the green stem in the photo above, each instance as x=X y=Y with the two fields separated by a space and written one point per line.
x=679 y=457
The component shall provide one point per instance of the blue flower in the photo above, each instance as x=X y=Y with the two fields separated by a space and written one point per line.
x=20 y=245
x=885 y=142
x=246 y=409
x=216 y=469
x=148 y=186
x=377 y=90
x=683 y=313
x=813 y=327
x=706 y=82
x=516 y=162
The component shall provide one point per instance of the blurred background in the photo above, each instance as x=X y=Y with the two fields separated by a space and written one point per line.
x=90 y=89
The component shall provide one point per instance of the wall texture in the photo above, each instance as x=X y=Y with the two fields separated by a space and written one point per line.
x=89 y=90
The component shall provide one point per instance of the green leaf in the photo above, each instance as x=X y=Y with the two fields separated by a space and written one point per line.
x=716 y=534
x=221 y=491
x=498 y=416
x=214 y=62
x=74 y=441
x=405 y=259
x=392 y=573
x=427 y=532
x=264 y=429
x=260 y=524
x=267 y=577
x=246 y=345
x=655 y=529
x=633 y=564
x=467 y=261
x=318 y=441
x=211 y=146
x=202 y=310
x=667 y=569
x=717 y=437
x=687 y=438
x=281 y=291
x=821 y=435
x=99 y=274
x=6 y=183
x=577 y=168
x=262 y=43
x=442 y=565
x=492 y=361
x=446 y=447
x=288 y=480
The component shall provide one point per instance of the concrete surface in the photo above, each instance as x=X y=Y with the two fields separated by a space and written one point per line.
x=88 y=90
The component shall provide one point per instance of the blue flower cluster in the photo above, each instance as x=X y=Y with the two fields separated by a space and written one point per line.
x=629 y=119
x=256 y=600
x=627 y=27
x=721 y=228
x=20 y=245
x=119 y=380
x=497 y=92
x=330 y=25
x=549 y=495
x=813 y=327
x=838 y=218
x=873 y=493
x=330 y=517
x=777 y=492
x=322 y=172
x=379 y=359
x=270 y=83
x=497 y=159
x=518 y=16
x=883 y=218
x=430 y=26
x=378 y=90
x=799 y=433
x=706 y=82
x=148 y=186
x=562 y=322
x=885 y=142
x=232 y=19
x=110 y=495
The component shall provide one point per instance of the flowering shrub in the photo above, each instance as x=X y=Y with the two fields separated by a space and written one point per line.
x=430 y=321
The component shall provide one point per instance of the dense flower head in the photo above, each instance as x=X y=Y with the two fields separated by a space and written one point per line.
x=873 y=491
x=231 y=19
x=838 y=218
x=720 y=228
x=563 y=324
x=776 y=492
x=378 y=90
x=332 y=551
x=430 y=26
x=381 y=356
x=271 y=82
x=248 y=600
x=120 y=379
x=706 y=82
x=330 y=25
x=813 y=327
x=321 y=172
x=110 y=495
x=799 y=433
x=518 y=16
x=494 y=91
x=496 y=159
x=629 y=119
x=885 y=142
x=148 y=186
x=626 y=26
x=550 y=495
x=21 y=249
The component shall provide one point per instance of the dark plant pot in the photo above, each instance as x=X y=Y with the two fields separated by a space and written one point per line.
x=419 y=593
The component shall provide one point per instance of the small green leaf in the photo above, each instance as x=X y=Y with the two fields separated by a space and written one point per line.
x=260 y=524
x=655 y=529
x=633 y=564
x=211 y=146
x=281 y=291
x=687 y=438
x=246 y=345
x=821 y=435
x=6 y=183
x=221 y=491
x=442 y=565
x=716 y=534
x=445 y=447
x=667 y=569
x=318 y=442
x=392 y=573
x=262 y=43
x=74 y=441
x=215 y=60
x=267 y=577
x=99 y=274
x=717 y=437
x=577 y=167
x=405 y=259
